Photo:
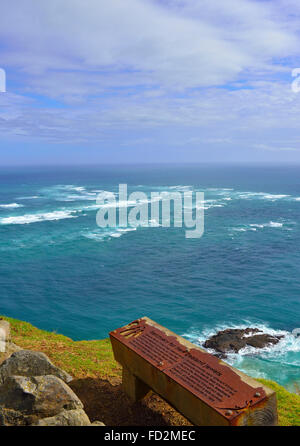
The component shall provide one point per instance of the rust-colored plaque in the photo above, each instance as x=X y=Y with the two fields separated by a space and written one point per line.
x=204 y=375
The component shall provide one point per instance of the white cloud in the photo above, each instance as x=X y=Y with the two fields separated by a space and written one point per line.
x=133 y=71
x=197 y=44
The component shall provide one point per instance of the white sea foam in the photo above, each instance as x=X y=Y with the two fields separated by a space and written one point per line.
x=11 y=206
x=207 y=204
x=127 y=229
x=101 y=236
x=271 y=224
x=229 y=194
x=36 y=218
x=30 y=197
x=180 y=188
x=103 y=194
x=72 y=187
x=73 y=197
x=68 y=193
x=275 y=197
x=243 y=229
x=119 y=204
x=275 y=224
x=218 y=189
x=256 y=226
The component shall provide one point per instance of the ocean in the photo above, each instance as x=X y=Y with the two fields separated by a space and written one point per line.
x=61 y=272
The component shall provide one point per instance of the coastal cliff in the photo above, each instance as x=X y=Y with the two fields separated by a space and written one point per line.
x=97 y=379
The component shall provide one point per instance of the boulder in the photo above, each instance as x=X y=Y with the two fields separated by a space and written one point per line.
x=23 y=400
x=30 y=363
x=97 y=423
x=66 y=418
x=236 y=339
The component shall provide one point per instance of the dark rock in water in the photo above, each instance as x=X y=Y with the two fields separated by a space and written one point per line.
x=30 y=363
x=234 y=339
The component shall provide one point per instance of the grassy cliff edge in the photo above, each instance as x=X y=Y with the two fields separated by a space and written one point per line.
x=94 y=359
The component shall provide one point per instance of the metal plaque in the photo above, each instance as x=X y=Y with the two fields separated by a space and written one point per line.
x=201 y=373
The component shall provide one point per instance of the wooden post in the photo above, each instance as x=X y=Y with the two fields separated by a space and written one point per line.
x=133 y=386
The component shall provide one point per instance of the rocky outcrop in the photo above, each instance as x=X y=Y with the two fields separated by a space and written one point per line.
x=30 y=363
x=66 y=418
x=27 y=399
x=33 y=391
x=236 y=339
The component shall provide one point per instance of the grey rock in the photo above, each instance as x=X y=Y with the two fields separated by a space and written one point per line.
x=23 y=400
x=30 y=363
x=10 y=417
x=66 y=418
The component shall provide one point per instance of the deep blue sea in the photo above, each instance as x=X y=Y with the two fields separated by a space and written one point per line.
x=61 y=272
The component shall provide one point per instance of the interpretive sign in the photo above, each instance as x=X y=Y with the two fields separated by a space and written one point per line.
x=202 y=387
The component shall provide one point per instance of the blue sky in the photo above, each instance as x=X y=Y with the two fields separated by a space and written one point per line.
x=117 y=81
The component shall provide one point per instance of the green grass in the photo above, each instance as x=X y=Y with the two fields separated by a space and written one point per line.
x=81 y=359
x=288 y=404
x=95 y=359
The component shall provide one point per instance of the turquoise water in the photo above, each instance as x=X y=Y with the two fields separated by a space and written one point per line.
x=61 y=272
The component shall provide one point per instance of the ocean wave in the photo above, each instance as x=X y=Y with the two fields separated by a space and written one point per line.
x=209 y=206
x=119 y=204
x=30 y=197
x=260 y=196
x=71 y=187
x=180 y=188
x=68 y=192
x=256 y=226
x=271 y=224
x=72 y=197
x=219 y=189
x=242 y=229
x=127 y=203
x=229 y=194
x=275 y=197
x=36 y=218
x=116 y=204
x=103 y=235
x=103 y=194
x=11 y=206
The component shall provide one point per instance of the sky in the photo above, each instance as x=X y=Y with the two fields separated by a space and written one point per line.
x=132 y=81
